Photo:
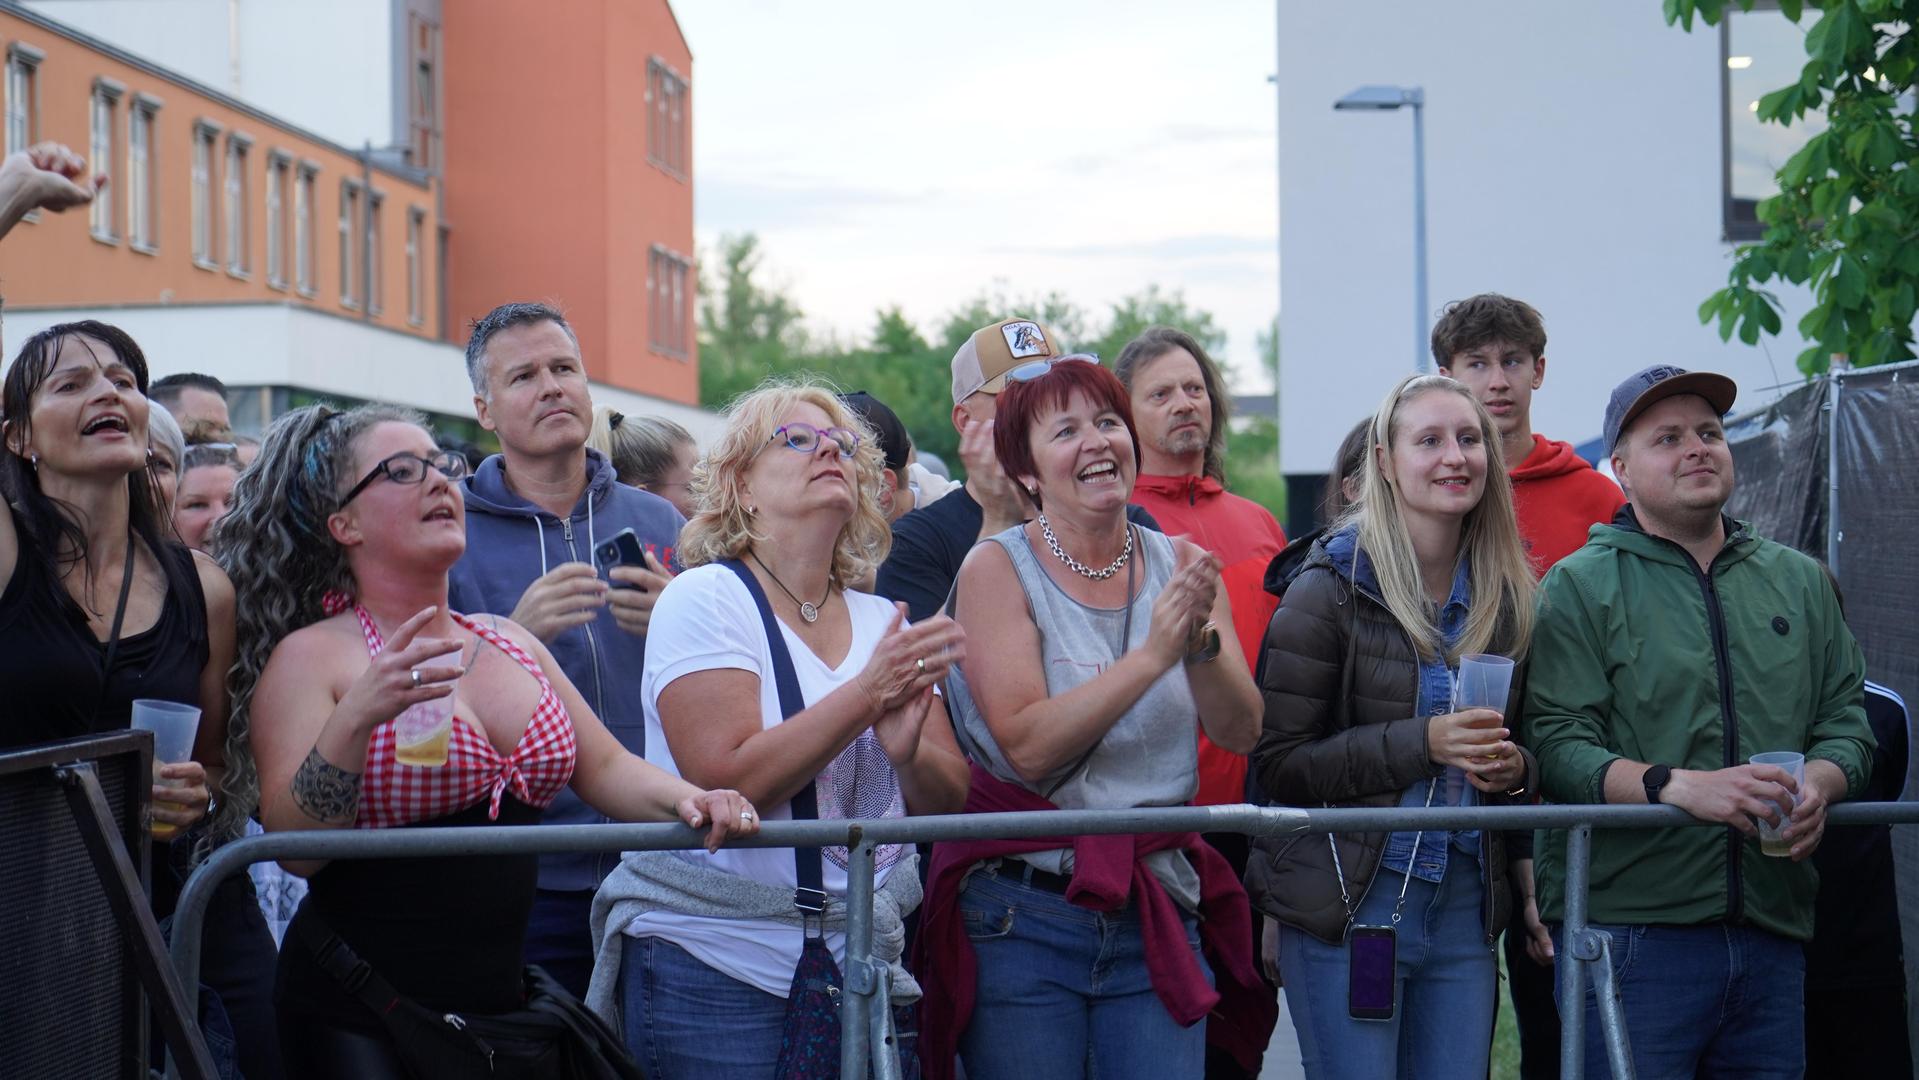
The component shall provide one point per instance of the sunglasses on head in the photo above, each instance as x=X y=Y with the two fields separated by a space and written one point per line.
x=1034 y=369
x=805 y=438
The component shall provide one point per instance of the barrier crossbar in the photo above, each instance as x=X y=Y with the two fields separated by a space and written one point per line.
x=864 y=1039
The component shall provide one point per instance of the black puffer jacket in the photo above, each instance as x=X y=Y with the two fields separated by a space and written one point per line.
x=1341 y=683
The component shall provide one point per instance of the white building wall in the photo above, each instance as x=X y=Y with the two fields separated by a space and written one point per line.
x=1573 y=161
x=289 y=345
x=324 y=65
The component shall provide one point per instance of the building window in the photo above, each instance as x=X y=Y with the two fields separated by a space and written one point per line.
x=668 y=295
x=23 y=96
x=375 y=301
x=1760 y=51
x=424 y=94
x=303 y=230
x=349 y=225
x=415 y=266
x=279 y=170
x=666 y=118
x=142 y=177
x=239 y=259
x=205 y=147
x=105 y=109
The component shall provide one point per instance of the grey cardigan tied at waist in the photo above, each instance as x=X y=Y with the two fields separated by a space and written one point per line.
x=667 y=881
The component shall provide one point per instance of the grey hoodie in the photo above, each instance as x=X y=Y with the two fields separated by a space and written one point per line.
x=509 y=543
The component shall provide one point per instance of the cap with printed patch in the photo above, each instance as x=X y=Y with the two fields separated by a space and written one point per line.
x=982 y=362
x=1648 y=386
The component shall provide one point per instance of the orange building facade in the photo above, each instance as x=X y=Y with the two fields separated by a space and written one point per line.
x=530 y=152
x=568 y=142
x=207 y=200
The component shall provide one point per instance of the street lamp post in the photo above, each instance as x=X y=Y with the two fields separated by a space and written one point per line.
x=1386 y=99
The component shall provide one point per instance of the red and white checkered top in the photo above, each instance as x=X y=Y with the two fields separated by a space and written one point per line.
x=540 y=765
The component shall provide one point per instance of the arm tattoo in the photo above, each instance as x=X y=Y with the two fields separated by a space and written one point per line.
x=327 y=793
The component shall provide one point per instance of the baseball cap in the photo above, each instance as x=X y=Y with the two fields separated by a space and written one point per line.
x=984 y=359
x=893 y=440
x=1643 y=389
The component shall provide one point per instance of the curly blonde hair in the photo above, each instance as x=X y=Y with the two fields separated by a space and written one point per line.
x=723 y=527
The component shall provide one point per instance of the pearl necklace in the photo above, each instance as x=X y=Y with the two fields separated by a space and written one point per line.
x=1077 y=567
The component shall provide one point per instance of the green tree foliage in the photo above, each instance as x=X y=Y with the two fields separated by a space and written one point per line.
x=1847 y=212
x=750 y=329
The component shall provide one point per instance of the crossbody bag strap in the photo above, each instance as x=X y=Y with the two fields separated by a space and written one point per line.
x=810 y=897
x=335 y=957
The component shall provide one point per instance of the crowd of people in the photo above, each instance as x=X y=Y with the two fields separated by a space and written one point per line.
x=799 y=620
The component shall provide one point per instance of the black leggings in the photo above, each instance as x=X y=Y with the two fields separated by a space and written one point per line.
x=318 y=1050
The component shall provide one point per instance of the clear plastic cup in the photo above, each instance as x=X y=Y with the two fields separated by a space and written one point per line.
x=173 y=726
x=422 y=732
x=1772 y=840
x=1482 y=682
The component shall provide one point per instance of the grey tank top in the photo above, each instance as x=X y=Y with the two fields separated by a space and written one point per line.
x=1150 y=756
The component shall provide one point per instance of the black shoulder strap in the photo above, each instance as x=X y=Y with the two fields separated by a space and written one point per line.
x=811 y=895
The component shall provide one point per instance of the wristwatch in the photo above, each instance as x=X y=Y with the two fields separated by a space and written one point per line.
x=1655 y=780
x=1203 y=646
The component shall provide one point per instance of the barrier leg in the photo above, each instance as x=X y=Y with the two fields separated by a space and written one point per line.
x=121 y=883
x=1571 y=967
x=856 y=1002
x=1612 y=1014
x=886 y=1051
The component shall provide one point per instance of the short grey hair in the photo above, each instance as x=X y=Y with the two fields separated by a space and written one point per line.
x=505 y=317
x=163 y=433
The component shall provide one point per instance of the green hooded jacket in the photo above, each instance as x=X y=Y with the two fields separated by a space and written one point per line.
x=1638 y=654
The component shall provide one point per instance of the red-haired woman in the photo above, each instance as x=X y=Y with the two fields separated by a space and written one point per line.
x=1107 y=653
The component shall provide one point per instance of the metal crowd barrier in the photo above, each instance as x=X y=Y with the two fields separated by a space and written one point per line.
x=863 y=1015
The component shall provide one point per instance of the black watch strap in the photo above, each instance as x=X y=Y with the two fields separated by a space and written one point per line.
x=1656 y=778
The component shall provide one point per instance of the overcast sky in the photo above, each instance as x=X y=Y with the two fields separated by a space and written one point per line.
x=909 y=154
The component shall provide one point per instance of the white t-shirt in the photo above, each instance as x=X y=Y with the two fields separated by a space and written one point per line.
x=706 y=620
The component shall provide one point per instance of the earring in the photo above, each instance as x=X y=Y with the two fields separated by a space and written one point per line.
x=149 y=455
x=33 y=459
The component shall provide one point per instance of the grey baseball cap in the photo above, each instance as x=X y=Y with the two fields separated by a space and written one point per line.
x=1644 y=388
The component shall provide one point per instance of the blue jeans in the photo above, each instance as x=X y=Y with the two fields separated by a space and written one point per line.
x=1705 y=1001
x=686 y=1021
x=1064 y=992
x=1442 y=1025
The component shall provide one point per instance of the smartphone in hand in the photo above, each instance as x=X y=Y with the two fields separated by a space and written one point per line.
x=622 y=549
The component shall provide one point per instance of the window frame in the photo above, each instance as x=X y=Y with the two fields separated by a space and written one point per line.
x=667 y=117
x=306 y=237
x=205 y=205
x=103 y=122
x=669 y=295
x=23 y=101
x=278 y=235
x=350 y=218
x=376 y=302
x=143 y=174
x=415 y=266
x=236 y=206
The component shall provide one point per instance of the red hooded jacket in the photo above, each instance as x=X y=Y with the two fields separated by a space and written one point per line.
x=1245 y=537
x=1558 y=498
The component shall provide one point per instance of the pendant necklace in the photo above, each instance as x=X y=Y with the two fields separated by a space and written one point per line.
x=808 y=610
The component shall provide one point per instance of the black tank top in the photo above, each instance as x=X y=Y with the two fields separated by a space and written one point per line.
x=51 y=664
x=445 y=932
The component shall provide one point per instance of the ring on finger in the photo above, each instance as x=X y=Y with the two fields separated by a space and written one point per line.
x=746 y=816
x=920 y=663
x=416 y=678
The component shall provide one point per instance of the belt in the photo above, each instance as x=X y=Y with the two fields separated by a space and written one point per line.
x=1028 y=874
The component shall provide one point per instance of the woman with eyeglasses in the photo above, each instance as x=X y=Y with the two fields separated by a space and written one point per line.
x=698 y=952
x=1107 y=655
x=339 y=544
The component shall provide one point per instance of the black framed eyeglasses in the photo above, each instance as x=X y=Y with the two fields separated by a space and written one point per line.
x=805 y=438
x=405 y=468
x=1033 y=369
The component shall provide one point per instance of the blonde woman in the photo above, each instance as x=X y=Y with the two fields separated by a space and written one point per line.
x=651 y=453
x=698 y=952
x=1427 y=567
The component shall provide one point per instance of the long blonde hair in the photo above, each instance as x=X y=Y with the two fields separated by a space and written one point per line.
x=1501 y=613
x=723 y=527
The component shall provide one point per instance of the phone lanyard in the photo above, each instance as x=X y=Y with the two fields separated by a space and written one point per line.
x=1346 y=897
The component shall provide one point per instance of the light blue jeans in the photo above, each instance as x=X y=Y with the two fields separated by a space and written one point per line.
x=1445 y=985
x=686 y=1021
x=1064 y=992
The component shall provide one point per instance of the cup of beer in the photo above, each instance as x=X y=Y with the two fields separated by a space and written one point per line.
x=1772 y=841
x=422 y=732
x=173 y=726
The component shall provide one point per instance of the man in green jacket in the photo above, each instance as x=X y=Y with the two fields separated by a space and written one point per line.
x=1668 y=650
